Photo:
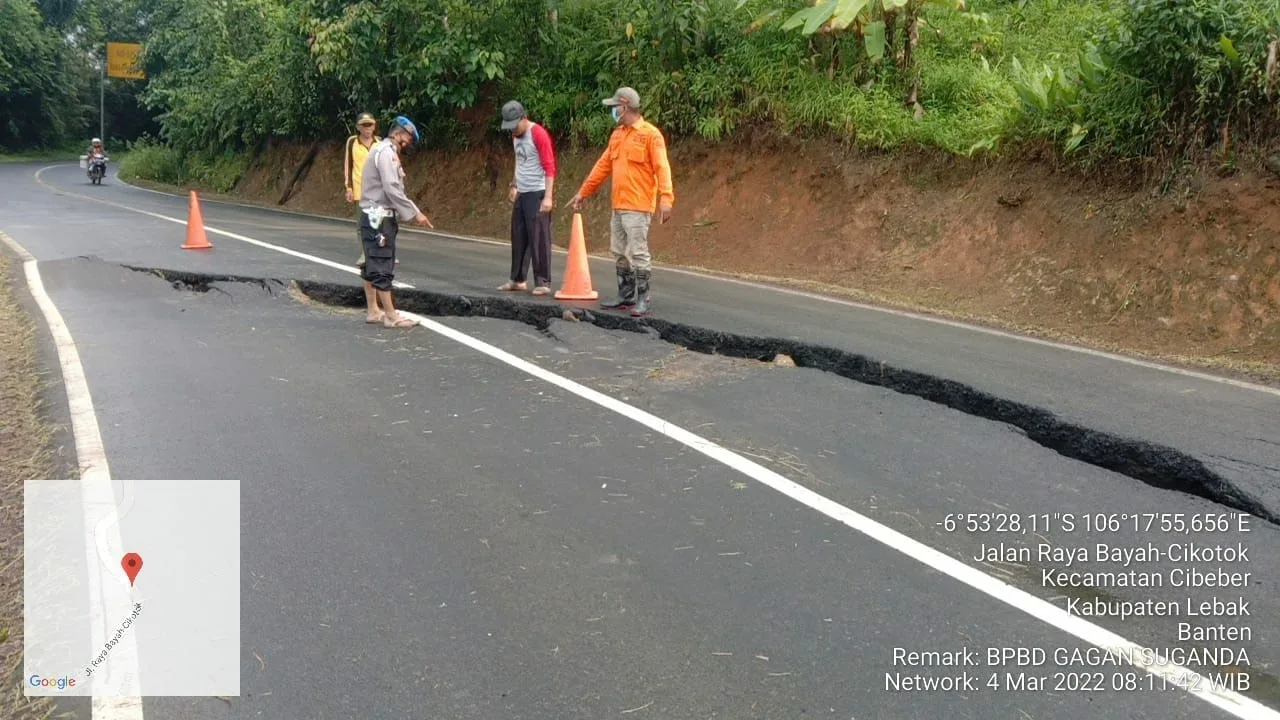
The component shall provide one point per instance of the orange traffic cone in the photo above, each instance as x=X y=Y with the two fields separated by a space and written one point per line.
x=196 y=239
x=577 y=273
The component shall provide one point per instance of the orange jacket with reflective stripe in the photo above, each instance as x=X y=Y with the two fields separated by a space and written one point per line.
x=637 y=161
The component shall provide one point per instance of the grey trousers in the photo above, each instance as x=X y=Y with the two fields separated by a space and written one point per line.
x=629 y=239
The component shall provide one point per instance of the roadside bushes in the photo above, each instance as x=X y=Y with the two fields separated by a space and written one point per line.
x=1116 y=78
x=150 y=159
x=1202 y=65
x=1166 y=78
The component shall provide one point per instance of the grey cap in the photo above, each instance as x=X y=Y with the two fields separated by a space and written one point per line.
x=626 y=97
x=512 y=113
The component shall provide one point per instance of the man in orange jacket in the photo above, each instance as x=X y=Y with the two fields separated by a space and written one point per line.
x=637 y=161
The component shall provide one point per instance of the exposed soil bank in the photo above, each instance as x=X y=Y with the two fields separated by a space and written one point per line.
x=1191 y=276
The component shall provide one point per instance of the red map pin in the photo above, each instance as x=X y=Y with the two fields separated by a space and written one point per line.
x=131 y=563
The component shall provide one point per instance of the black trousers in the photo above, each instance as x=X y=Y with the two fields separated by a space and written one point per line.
x=379 y=260
x=530 y=238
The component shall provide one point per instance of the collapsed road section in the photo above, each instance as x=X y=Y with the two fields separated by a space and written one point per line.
x=1151 y=463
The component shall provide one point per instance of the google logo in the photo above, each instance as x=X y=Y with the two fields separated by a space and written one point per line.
x=61 y=683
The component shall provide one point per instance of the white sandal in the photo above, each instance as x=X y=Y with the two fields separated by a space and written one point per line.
x=399 y=322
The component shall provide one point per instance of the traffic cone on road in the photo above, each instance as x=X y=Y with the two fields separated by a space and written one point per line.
x=196 y=239
x=577 y=272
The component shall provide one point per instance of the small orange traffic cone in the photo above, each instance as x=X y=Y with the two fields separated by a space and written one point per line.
x=196 y=239
x=577 y=273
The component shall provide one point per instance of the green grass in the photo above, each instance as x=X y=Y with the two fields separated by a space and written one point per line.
x=41 y=156
x=996 y=74
x=969 y=86
x=150 y=160
x=71 y=154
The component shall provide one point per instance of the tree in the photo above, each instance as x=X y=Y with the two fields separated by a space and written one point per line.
x=230 y=75
x=43 y=81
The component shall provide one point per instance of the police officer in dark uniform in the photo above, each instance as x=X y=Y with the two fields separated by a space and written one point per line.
x=385 y=205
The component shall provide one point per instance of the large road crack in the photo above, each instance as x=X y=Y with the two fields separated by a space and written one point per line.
x=203 y=283
x=1156 y=465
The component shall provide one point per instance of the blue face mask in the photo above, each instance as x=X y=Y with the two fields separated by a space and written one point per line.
x=617 y=113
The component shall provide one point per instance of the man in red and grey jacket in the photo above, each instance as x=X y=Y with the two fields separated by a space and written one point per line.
x=531 y=198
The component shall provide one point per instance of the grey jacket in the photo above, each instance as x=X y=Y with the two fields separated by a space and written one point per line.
x=382 y=182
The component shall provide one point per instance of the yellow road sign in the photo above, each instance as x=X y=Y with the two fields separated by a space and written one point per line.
x=122 y=61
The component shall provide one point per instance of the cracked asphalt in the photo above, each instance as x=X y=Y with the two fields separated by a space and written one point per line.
x=430 y=533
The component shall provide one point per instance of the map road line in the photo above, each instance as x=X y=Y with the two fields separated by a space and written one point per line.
x=96 y=491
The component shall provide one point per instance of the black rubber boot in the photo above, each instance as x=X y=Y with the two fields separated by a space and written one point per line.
x=642 y=294
x=626 y=291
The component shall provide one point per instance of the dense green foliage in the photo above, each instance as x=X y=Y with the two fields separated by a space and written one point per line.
x=1167 y=75
x=1105 y=78
x=50 y=55
x=151 y=160
x=37 y=76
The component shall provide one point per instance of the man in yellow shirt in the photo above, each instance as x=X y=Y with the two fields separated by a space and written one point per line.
x=637 y=161
x=357 y=151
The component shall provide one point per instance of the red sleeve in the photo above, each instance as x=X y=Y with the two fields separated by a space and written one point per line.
x=546 y=153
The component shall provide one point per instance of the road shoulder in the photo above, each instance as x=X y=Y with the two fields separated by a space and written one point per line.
x=34 y=445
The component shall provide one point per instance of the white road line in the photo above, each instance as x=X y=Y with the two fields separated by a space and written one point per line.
x=216 y=231
x=1234 y=703
x=1042 y=610
x=96 y=492
x=1243 y=384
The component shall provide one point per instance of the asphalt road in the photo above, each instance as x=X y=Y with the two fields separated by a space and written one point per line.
x=1227 y=428
x=430 y=533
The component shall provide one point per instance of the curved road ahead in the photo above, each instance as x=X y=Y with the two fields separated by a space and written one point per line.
x=476 y=518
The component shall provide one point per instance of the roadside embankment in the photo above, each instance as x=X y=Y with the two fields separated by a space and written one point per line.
x=1189 y=276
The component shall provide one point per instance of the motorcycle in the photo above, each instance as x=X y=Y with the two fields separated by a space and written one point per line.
x=97 y=168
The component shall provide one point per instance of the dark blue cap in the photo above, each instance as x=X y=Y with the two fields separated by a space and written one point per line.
x=407 y=124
